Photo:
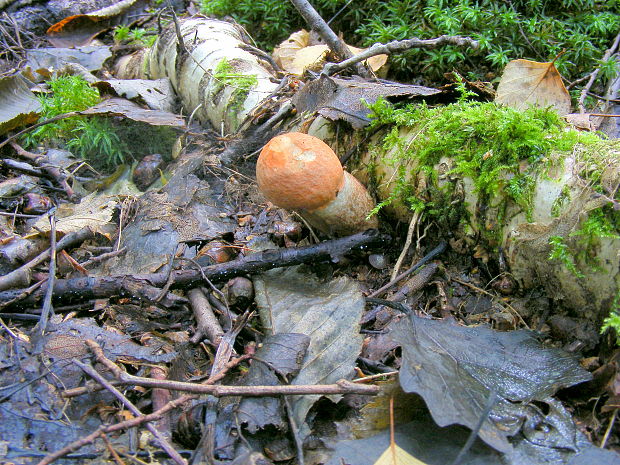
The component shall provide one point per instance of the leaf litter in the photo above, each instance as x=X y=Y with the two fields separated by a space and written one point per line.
x=309 y=329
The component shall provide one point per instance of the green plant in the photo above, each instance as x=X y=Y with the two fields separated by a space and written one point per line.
x=137 y=36
x=67 y=94
x=529 y=29
x=225 y=75
x=103 y=141
x=561 y=252
x=613 y=320
x=97 y=140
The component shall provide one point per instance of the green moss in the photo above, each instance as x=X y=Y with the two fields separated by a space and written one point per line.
x=560 y=251
x=225 y=75
x=105 y=142
x=504 y=151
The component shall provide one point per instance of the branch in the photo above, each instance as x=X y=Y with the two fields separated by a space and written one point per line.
x=98 y=287
x=317 y=23
x=398 y=46
x=594 y=75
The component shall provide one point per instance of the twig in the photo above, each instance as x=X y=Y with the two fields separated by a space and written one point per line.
x=294 y=431
x=47 y=309
x=432 y=254
x=594 y=75
x=107 y=286
x=111 y=450
x=53 y=172
x=398 y=46
x=609 y=427
x=341 y=387
x=103 y=257
x=22 y=274
x=206 y=321
x=317 y=23
x=163 y=442
x=18 y=215
x=365 y=379
x=412 y=224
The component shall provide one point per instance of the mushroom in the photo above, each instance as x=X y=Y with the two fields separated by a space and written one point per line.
x=301 y=172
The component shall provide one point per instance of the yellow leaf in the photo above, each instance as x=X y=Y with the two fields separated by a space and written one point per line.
x=295 y=55
x=526 y=83
x=395 y=455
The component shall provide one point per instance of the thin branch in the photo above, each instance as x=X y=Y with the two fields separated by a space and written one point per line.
x=396 y=47
x=428 y=257
x=595 y=73
x=317 y=23
x=163 y=442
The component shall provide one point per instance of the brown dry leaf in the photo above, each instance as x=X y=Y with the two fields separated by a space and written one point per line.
x=95 y=211
x=18 y=105
x=525 y=83
x=284 y=54
x=311 y=57
x=296 y=54
x=81 y=29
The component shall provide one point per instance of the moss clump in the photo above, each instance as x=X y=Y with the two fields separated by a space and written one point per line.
x=499 y=148
x=226 y=75
x=503 y=151
x=105 y=142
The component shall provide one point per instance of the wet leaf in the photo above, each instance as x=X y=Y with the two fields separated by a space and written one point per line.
x=456 y=369
x=46 y=60
x=347 y=99
x=525 y=83
x=81 y=29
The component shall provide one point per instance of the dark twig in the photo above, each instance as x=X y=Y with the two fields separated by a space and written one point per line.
x=294 y=430
x=103 y=257
x=428 y=257
x=53 y=172
x=398 y=46
x=594 y=75
x=163 y=442
x=107 y=286
x=317 y=23
x=47 y=309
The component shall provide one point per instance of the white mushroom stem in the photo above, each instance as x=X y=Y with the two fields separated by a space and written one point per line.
x=347 y=213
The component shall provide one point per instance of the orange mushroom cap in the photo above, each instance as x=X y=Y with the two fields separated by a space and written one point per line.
x=298 y=171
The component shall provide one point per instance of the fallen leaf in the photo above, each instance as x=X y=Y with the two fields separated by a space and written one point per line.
x=297 y=54
x=128 y=109
x=18 y=105
x=95 y=211
x=395 y=455
x=526 y=83
x=456 y=369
